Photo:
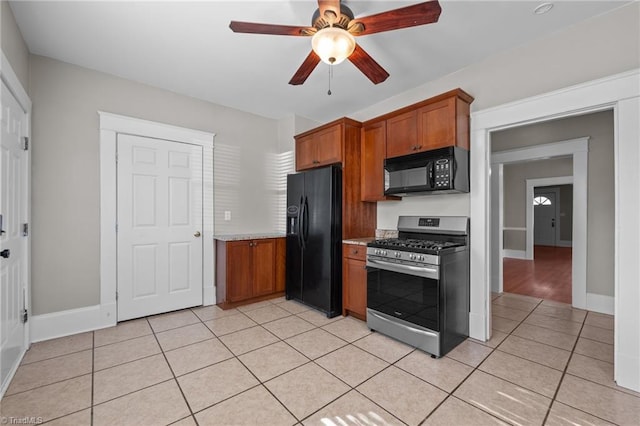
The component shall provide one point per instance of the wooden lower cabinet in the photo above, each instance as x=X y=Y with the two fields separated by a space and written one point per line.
x=249 y=269
x=354 y=281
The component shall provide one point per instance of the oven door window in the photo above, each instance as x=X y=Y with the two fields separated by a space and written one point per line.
x=413 y=299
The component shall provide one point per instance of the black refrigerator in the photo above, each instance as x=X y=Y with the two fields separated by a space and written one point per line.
x=314 y=239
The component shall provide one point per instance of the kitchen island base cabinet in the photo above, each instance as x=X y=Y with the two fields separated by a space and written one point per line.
x=354 y=281
x=249 y=270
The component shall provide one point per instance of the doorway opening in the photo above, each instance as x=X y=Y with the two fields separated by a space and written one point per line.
x=547 y=275
x=534 y=252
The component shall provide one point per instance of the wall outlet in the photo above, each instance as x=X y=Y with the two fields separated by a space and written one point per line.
x=227 y=215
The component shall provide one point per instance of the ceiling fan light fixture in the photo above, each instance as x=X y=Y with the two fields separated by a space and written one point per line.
x=333 y=45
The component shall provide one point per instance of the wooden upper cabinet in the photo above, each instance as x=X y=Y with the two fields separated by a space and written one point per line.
x=306 y=153
x=434 y=123
x=373 y=153
x=402 y=134
x=320 y=147
x=339 y=142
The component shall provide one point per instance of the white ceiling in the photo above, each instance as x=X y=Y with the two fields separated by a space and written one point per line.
x=187 y=47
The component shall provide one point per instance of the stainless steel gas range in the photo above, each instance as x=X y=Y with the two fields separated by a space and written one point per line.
x=418 y=283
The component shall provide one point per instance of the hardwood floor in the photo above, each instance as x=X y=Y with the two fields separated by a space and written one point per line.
x=548 y=276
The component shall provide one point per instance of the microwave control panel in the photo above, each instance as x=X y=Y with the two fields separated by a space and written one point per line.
x=442 y=173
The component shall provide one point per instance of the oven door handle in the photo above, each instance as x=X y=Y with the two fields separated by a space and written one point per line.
x=404 y=269
x=408 y=327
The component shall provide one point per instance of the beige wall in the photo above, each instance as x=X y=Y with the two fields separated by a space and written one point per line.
x=600 y=196
x=515 y=185
x=515 y=194
x=13 y=45
x=66 y=187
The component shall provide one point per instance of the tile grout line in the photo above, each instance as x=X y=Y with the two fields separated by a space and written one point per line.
x=555 y=395
x=260 y=382
x=476 y=368
x=93 y=369
x=175 y=379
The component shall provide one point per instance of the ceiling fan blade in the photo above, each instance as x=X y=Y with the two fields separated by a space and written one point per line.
x=330 y=5
x=410 y=16
x=368 y=65
x=305 y=69
x=256 y=28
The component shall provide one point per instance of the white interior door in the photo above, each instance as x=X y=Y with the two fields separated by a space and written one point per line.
x=13 y=245
x=544 y=218
x=159 y=242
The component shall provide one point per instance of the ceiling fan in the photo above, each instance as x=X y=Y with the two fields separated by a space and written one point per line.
x=333 y=29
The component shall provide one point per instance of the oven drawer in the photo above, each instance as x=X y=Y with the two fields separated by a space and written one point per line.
x=354 y=251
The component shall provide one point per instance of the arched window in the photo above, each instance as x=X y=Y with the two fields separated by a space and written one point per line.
x=541 y=201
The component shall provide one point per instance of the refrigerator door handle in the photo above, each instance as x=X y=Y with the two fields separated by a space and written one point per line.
x=300 y=222
x=305 y=225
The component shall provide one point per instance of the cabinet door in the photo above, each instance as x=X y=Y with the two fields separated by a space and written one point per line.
x=329 y=145
x=306 y=152
x=372 y=153
x=402 y=134
x=281 y=264
x=264 y=266
x=355 y=282
x=437 y=125
x=239 y=274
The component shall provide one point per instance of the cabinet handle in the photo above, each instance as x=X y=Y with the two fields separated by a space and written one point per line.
x=418 y=147
x=355 y=252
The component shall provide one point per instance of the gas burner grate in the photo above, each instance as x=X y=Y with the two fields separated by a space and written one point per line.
x=414 y=244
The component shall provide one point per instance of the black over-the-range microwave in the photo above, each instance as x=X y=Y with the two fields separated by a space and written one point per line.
x=439 y=171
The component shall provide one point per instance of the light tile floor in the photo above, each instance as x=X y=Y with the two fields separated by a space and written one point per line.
x=280 y=363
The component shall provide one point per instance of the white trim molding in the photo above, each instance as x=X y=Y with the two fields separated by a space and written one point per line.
x=621 y=93
x=601 y=303
x=110 y=126
x=72 y=321
x=514 y=254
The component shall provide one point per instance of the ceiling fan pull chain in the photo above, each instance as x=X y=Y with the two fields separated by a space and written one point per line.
x=330 y=76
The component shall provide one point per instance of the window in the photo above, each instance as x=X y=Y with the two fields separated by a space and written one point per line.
x=541 y=201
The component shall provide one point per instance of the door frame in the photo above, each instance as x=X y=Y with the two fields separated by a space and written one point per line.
x=620 y=92
x=11 y=80
x=110 y=126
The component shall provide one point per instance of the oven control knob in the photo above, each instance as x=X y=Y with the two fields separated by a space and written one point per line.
x=378 y=251
x=421 y=258
x=384 y=252
x=412 y=256
x=397 y=254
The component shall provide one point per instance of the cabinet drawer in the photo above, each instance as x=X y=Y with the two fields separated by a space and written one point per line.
x=354 y=251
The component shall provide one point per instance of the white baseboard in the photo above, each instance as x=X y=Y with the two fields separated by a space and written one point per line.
x=12 y=373
x=600 y=303
x=564 y=243
x=630 y=365
x=516 y=254
x=476 y=327
x=209 y=296
x=73 y=321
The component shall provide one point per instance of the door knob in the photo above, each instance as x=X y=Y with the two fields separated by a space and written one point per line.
x=5 y=253
x=196 y=234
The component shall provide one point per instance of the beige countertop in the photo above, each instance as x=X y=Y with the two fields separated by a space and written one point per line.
x=254 y=236
x=359 y=241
